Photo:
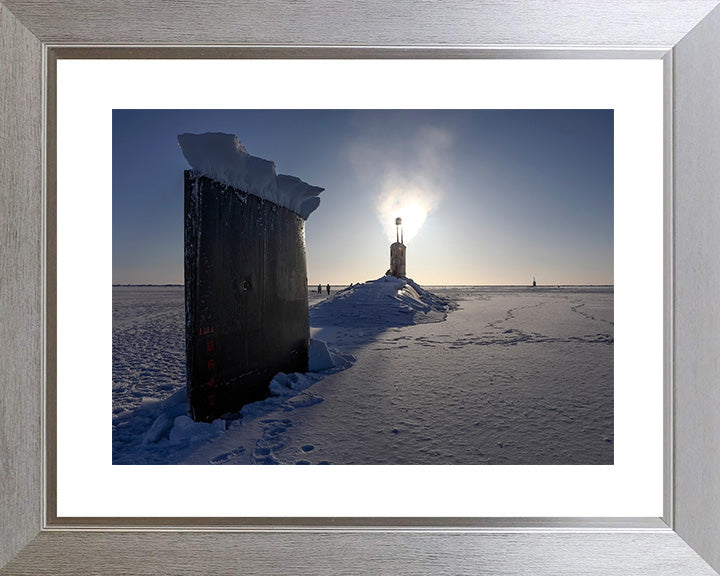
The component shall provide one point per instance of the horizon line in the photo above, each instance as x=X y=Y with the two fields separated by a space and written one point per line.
x=311 y=285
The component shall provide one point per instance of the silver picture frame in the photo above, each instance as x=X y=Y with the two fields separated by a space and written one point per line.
x=685 y=34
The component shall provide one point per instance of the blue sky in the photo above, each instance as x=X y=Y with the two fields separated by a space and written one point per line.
x=487 y=196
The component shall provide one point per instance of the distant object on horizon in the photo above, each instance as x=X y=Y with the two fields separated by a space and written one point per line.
x=534 y=283
x=397 y=252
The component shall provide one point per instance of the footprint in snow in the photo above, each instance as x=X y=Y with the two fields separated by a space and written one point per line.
x=227 y=456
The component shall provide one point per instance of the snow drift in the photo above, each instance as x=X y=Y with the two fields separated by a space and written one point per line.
x=166 y=433
x=222 y=157
x=387 y=301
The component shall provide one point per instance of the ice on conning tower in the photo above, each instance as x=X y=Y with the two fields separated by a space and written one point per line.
x=397 y=252
x=223 y=158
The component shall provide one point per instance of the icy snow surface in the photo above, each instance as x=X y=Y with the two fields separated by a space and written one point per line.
x=222 y=157
x=400 y=375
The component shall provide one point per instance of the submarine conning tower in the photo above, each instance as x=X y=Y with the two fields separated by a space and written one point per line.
x=246 y=300
x=397 y=252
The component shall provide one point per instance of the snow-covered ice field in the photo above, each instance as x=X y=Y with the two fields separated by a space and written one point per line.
x=454 y=375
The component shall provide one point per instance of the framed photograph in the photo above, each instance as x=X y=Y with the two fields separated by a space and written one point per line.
x=650 y=507
x=490 y=385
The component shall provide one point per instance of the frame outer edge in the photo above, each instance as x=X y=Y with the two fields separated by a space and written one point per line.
x=21 y=334
x=18 y=37
x=696 y=113
x=321 y=554
x=655 y=23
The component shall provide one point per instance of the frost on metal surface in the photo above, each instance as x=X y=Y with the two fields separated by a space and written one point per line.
x=245 y=295
x=223 y=157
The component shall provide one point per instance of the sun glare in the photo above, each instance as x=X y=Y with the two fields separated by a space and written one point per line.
x=409 y=206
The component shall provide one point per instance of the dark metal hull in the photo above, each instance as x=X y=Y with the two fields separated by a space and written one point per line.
x=246 y=306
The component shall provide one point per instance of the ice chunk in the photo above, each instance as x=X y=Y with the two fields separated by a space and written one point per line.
x=301 y=196
x=322 y=359
x=222 y=157
x=342 y=361
x=185 y=431
x=319 y=356
x=287 y=384
x=149 y=403
x=160 y=429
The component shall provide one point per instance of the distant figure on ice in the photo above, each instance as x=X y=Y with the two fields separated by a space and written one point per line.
x=328 y=288
x=534 y=283
x=319 y=288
